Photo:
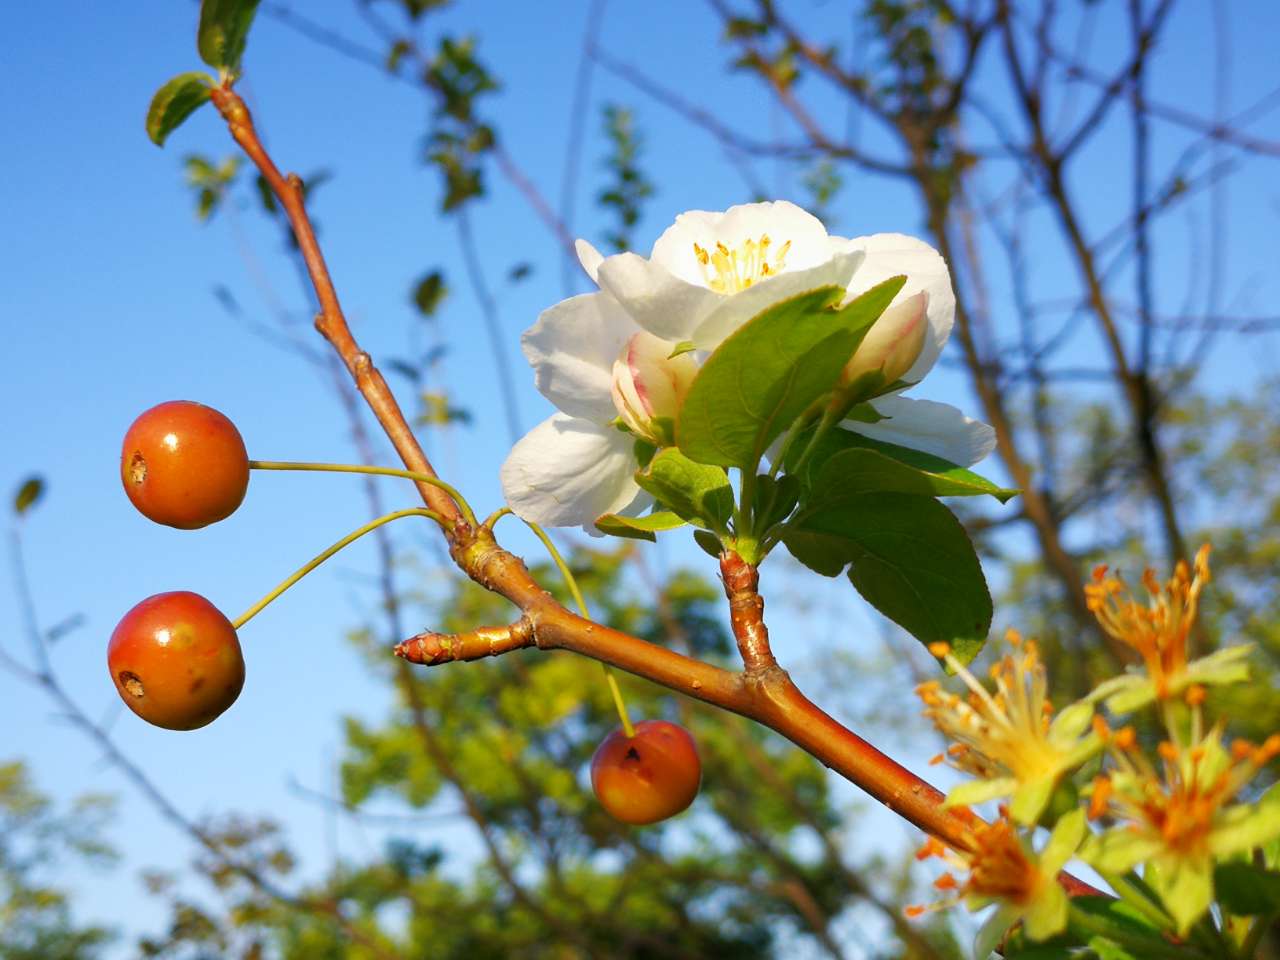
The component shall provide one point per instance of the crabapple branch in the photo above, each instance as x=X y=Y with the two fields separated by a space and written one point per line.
x=746 y=612
x=430 y=649
x=331 y=322
x=765 y=694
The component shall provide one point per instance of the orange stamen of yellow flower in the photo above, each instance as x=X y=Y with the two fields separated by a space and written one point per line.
x=1101 y=795
x=1158 y=629
x=1180 y=802
x=1000 y=731
x=999 y=866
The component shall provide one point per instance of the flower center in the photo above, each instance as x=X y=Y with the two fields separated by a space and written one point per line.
x=1157 y=631
x=999 y=867
x=1000 y=732
x=728 y=270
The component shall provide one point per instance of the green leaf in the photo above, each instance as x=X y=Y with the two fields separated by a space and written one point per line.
x=933 y=476
x=1104 y=922
x=854 y=472
x=684 y=346
x=638 y=528
x=775 y=498
x=709 y=543
x=819 y=552
x=910 y=559
x=770 y=370
x=1017 y=948
x=223 y=31
x=1107 y=949
x=695 y=491
x=174 y=102
x=29 y=493
x=429 y=293
x=1246 y=890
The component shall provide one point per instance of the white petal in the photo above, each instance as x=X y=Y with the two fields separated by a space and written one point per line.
x=737 y=309
x=780 y=221
x=936 y=428
x=565 y=472
x=572 y=348
x=657 y=300
x=891 y=254
x=590 y=258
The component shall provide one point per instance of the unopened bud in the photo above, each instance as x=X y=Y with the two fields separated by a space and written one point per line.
x=892 y=344
x=649 y=385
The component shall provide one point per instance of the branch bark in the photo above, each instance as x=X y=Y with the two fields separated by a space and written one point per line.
x=766 y=695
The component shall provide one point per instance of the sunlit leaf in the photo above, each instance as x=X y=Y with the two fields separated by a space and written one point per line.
x=176 y=101
x=638 y=528
x=698 y=492
x=770 y=370
x=29 y=493
x=910 y=558
x=223 y=32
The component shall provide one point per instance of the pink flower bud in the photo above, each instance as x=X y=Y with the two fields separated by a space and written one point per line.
x=649 y=386
x=893 y=343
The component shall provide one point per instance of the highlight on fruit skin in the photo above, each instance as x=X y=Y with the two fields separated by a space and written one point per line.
x=184 y=465
x=649 y=777
x=176 y=661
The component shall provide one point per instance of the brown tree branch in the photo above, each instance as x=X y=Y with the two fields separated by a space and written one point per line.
x=746 y=612
x=768 y=696
x=431 y=649
x=331 y=322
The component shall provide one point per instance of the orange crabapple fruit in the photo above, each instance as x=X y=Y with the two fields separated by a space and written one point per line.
x=184 y=465
x=649 y=777
x=176 y=661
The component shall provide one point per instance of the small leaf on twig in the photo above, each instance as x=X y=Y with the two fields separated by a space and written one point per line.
x=31 y=490
x=176 y=101
x=223 y=32
x=429 y=293
x=638 y=528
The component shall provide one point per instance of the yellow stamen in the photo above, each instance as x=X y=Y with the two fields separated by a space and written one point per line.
x=727 y=271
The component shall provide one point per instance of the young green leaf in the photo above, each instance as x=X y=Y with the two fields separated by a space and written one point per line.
x=429 y=293
x=934 y=476
x=910 y=559
x=638 y=528
x=770 y=370
x=820 y=553
x=1246 y=890
x=775 y=498
x=860 y=470
x=223 y=31
x=709 y=543
x=28 y=495
x=174 y=102
x=695 y=491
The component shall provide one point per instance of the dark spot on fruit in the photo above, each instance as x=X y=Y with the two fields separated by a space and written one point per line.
x=132 y=683
x=137 y=468
x=633 y=754
x=196 y=684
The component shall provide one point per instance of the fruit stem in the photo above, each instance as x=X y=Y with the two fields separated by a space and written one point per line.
x=492 y=519
x=320 y=558
x=426 y=478
x=581 y=602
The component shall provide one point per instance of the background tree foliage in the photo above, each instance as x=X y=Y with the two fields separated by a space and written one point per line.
x=36 y=841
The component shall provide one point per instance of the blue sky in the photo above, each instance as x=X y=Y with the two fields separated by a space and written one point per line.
x=108 y=308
